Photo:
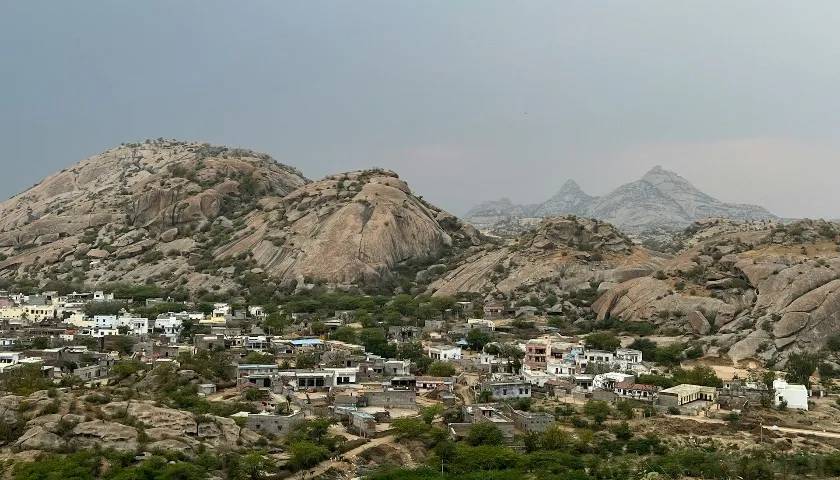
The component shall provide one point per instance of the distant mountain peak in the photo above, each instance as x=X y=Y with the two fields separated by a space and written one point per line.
x=570 y=186
x=660 y=199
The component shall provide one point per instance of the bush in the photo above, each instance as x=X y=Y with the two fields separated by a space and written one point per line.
x=441 y=369
x=484 y=433
x=305 y=454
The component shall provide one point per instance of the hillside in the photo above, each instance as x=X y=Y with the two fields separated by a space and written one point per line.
x=748 y=290
x=660 y=200
x=192 y=216
x=561 y=255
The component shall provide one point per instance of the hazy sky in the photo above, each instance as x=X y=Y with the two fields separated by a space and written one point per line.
x=467 y=100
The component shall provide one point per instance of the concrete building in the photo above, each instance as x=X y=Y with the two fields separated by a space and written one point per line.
x=537 y=351
x=508 y=389
x=635 y=391
x=444 y=353
x=532 y=422
x=684 y=394
x=271 y=424
x=793 y=395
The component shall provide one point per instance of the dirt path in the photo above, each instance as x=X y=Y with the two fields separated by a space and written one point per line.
x=340 y=462
x=769 y=428
x=802 y=431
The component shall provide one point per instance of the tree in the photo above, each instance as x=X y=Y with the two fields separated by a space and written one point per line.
x=441 y=369
x=622 y=431
x=598 y=410
x=699 y=375
x=832 y=344
x=646 y=346
x=669 y=355
x=258 y=358
x=345 y=334
x=429 y=413
x=374 y=341
x=24 y=380
x=306 y=360
x=602 y=341
x=477 y=338
x=555 y=438
x=275 y=322
x=103 y=308
x=305 y=454
x=410 y=427
x=800 y=367
x=485 y=433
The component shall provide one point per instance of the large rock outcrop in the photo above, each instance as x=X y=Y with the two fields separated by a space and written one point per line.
x=758 y=290
x=348 y=228
x=126 y=426
x=563 y=254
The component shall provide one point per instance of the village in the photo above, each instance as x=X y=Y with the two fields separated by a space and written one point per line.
x=466 y=361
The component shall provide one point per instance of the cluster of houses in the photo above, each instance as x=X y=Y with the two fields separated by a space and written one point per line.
x=363 y=390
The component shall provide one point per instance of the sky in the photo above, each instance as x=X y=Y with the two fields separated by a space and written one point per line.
x=466 y=100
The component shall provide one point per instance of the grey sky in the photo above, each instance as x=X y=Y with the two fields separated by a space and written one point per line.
x=467 y=100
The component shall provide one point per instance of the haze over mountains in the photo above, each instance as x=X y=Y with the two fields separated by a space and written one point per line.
x=660 y=200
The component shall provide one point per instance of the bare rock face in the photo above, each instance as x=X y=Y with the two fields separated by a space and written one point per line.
x=563 y=253
x=175 y=210
x=698 y=323
x=347 y=228
x=776 y=288
x=104 y=434
x=39 y=438
x=115 y=207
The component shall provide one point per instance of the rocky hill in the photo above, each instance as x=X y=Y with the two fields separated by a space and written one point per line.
x=195 y=216
x=660 y=200
x=753 y=290
x=347 y=228
x=561 y=255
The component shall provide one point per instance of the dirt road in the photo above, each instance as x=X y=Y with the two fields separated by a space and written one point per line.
x=769 y=428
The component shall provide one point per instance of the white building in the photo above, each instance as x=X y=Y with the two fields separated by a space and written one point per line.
x=169 y=325
x=607 y=381
x=561 y=367
x=481 y=323
x=793 y=395
x=444 y=353
x=135 y=325
x=628 y=355
x=8 y=359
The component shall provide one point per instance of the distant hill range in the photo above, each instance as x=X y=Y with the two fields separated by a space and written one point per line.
x=660 y=200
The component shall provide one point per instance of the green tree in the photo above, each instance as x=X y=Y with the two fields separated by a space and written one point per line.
x=485 y=433
x=410 y=427
x=258 y=358
x=602 y=341
x=477 y=338
x=441 y=369
x=646 y=346
x=304 y=454
x=345 y=334
x=800 y=367
x=597 y=410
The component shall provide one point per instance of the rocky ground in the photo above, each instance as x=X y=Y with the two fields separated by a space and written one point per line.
x=195 y=216
x=562 y=254
x=63 y=421
x=748 y=292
